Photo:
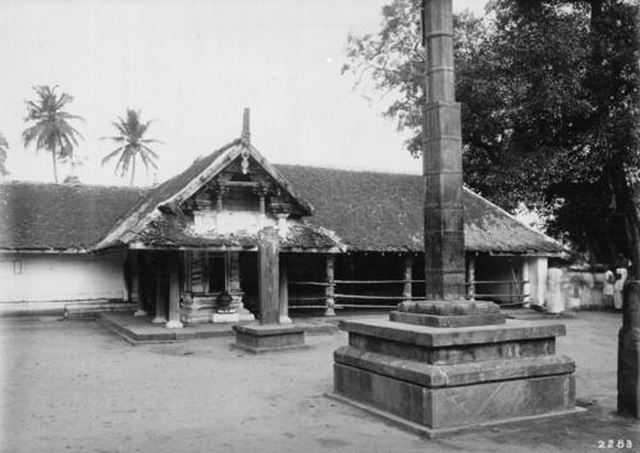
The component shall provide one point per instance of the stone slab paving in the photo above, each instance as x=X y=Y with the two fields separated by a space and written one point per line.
x=73 y=386
x=139 y=329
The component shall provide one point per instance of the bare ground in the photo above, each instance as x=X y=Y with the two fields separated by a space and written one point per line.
x=71 y=386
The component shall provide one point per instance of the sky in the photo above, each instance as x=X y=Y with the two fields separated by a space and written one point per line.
x=193 y=66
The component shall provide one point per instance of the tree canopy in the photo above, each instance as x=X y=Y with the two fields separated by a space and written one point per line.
x=133 y=144
x=549 y=92
x=50 y=129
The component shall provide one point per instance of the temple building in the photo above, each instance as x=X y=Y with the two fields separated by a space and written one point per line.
x=185 y=251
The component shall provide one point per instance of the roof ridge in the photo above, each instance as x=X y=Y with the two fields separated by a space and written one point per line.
x=348 y=170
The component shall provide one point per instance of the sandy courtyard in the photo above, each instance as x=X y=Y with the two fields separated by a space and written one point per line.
x=72 y=386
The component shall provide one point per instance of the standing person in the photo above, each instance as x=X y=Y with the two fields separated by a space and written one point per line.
x=622 y=264
x=607 y=292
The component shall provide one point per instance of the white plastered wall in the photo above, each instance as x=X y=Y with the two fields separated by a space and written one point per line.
x=47 y=281
x=537 y=267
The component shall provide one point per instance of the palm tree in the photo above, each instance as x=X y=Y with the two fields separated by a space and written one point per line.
x=4 y=146
x=132 y=144
x=51 y=131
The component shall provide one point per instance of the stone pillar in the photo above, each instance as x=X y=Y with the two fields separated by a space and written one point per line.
x=269 y=270
x=471 y=288
x=174 y=294
x=408 y=276
x=443 y=209
x=161 y=293
x=629 y=353
x=330 y=290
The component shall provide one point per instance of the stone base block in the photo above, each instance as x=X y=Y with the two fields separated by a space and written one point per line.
x=436 y=433
x=267 y=338
x=447 y=321
x=221 y=318
x=450 y=408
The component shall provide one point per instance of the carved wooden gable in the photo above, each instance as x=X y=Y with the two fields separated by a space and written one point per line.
x=244 y=185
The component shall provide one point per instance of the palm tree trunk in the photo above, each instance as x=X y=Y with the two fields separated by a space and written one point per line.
x=133 y=170
x=55 y=166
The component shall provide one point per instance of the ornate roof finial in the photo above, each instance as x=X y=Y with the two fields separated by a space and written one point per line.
x=246 y=133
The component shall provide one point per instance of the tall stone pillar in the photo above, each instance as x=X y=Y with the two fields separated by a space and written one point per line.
x=447 y=363
x=443 y=210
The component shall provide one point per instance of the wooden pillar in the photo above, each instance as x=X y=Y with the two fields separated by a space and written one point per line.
x=471 y=287
x=174 y=293
x=526 y=284
x=269 y=284
x=160 y=293
x=284 y=293
x=330 y=290
x=186 y=271
x=629 y=353
x=443 y=209
x=408 y=276
x=135 y=286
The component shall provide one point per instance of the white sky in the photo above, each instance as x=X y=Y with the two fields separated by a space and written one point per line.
x=193 y=65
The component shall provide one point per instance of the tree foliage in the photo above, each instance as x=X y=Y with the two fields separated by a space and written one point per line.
x=132 y=144
x=50 y=129
x=549 y=93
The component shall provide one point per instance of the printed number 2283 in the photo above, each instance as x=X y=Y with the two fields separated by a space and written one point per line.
x=619 y=443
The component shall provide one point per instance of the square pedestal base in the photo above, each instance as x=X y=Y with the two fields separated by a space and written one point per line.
x=268 y=338
x=434 y=411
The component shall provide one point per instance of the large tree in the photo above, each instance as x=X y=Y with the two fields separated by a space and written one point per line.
x=50 y=129
x=549 y=112
x=4 y=146
x=132 y=144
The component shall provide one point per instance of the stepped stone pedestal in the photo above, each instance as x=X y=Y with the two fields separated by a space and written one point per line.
x=437 y=367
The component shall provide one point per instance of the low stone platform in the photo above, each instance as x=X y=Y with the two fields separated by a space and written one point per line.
x=269 y=337
x=441 y=379
x=139 y=330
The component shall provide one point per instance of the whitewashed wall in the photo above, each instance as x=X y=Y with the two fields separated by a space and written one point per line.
x=47 y=282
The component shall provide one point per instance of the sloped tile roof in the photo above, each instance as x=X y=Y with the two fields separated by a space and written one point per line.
x=366 y=211
x=167 y=231
x=59 y=216
x=384 y=211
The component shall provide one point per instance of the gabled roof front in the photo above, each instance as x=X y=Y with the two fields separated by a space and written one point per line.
x=178 y=189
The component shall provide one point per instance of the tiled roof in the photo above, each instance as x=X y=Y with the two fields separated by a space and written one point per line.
x=366 y=211
x=60 y=216
x=166 y=231
x=384 y=211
